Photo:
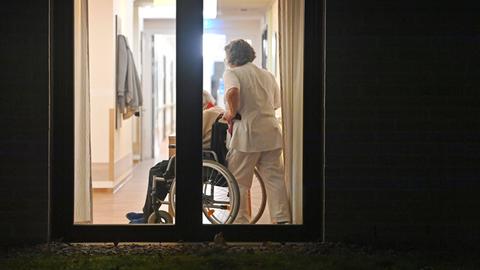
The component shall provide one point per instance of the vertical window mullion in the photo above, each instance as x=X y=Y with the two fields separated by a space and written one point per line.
x=189 y=115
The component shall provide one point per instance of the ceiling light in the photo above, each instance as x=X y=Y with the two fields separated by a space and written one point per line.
x=165 y=8
x=164 y=2
x=209 y=9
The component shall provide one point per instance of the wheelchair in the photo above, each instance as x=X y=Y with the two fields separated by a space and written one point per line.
x=220 y=193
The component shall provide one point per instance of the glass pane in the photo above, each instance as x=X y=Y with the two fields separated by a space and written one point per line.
x=125 y=106
x=259 y=181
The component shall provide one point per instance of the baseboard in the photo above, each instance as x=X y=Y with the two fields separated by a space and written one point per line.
x=123 y=171
x=112 y=187
x=122 y=180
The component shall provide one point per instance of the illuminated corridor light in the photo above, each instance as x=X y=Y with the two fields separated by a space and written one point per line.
x=164 y=2
x=209 y=9
x=166 y=9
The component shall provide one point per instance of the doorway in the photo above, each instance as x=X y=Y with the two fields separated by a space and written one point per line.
x=163 y=97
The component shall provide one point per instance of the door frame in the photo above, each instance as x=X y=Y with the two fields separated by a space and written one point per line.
x=189 y=30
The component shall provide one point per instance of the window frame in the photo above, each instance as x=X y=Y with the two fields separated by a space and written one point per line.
x=189 y=78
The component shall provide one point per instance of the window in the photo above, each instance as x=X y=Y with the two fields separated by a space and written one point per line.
x=188 y=220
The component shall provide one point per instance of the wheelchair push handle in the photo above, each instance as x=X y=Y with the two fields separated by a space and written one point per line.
x=237 y=117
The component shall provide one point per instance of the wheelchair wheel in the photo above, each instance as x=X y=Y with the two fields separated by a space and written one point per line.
x=258 y=197
x=220 y=197
x=171 y=196
x=161 y=217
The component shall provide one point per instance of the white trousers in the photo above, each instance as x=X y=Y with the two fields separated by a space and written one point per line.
x=270 y=167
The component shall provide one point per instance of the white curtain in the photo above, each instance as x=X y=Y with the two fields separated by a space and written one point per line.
x=291 y=44
x=83 y=183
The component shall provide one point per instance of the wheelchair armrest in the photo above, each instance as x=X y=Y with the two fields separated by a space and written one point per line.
x=207 y=151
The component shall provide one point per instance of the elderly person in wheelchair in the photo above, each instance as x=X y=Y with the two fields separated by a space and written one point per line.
x=211 y=115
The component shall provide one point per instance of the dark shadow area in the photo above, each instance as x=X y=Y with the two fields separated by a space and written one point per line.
x=402 y=122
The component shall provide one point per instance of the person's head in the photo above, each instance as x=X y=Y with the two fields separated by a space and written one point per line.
x=208 y=100
x=238 y=52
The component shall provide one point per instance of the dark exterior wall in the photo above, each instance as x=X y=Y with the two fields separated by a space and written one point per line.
x=402 y=148
x=403 y=121
x=24 y=132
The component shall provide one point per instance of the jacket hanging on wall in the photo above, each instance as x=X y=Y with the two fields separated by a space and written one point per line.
x=129 y=91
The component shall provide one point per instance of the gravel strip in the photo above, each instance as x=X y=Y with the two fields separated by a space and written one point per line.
x=165 y=249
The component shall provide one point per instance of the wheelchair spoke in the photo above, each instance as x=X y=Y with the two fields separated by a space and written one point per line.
x=218 y=179
x=219 y=206
x=211 y=175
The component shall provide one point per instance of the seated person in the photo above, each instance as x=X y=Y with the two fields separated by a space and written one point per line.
x=211 y=114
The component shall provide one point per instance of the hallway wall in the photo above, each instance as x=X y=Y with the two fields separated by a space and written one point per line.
x=240 y=28
x=102 y=75
x=271 y=21
x=123 y=146
x=112 y=161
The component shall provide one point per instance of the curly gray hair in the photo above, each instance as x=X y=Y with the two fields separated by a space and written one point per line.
x=239 y=52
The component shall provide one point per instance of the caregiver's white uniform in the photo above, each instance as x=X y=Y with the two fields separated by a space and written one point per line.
x=257 y=140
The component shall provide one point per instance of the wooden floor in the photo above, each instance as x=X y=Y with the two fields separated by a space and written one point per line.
x=111 y=208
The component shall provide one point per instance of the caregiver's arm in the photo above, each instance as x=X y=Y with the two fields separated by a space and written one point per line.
x=233 y=103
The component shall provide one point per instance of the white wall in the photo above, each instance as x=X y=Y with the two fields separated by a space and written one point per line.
x=102 y=90
x=102 y=75
x=123 y=135
x=240 y=28
x=271 y=20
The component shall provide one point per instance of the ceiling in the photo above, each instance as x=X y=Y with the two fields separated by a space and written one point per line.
x=222 y=4
x=243 y=4
x=242 y=8
x=228 y=8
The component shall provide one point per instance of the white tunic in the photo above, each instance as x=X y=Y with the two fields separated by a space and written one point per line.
x=259 y=129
